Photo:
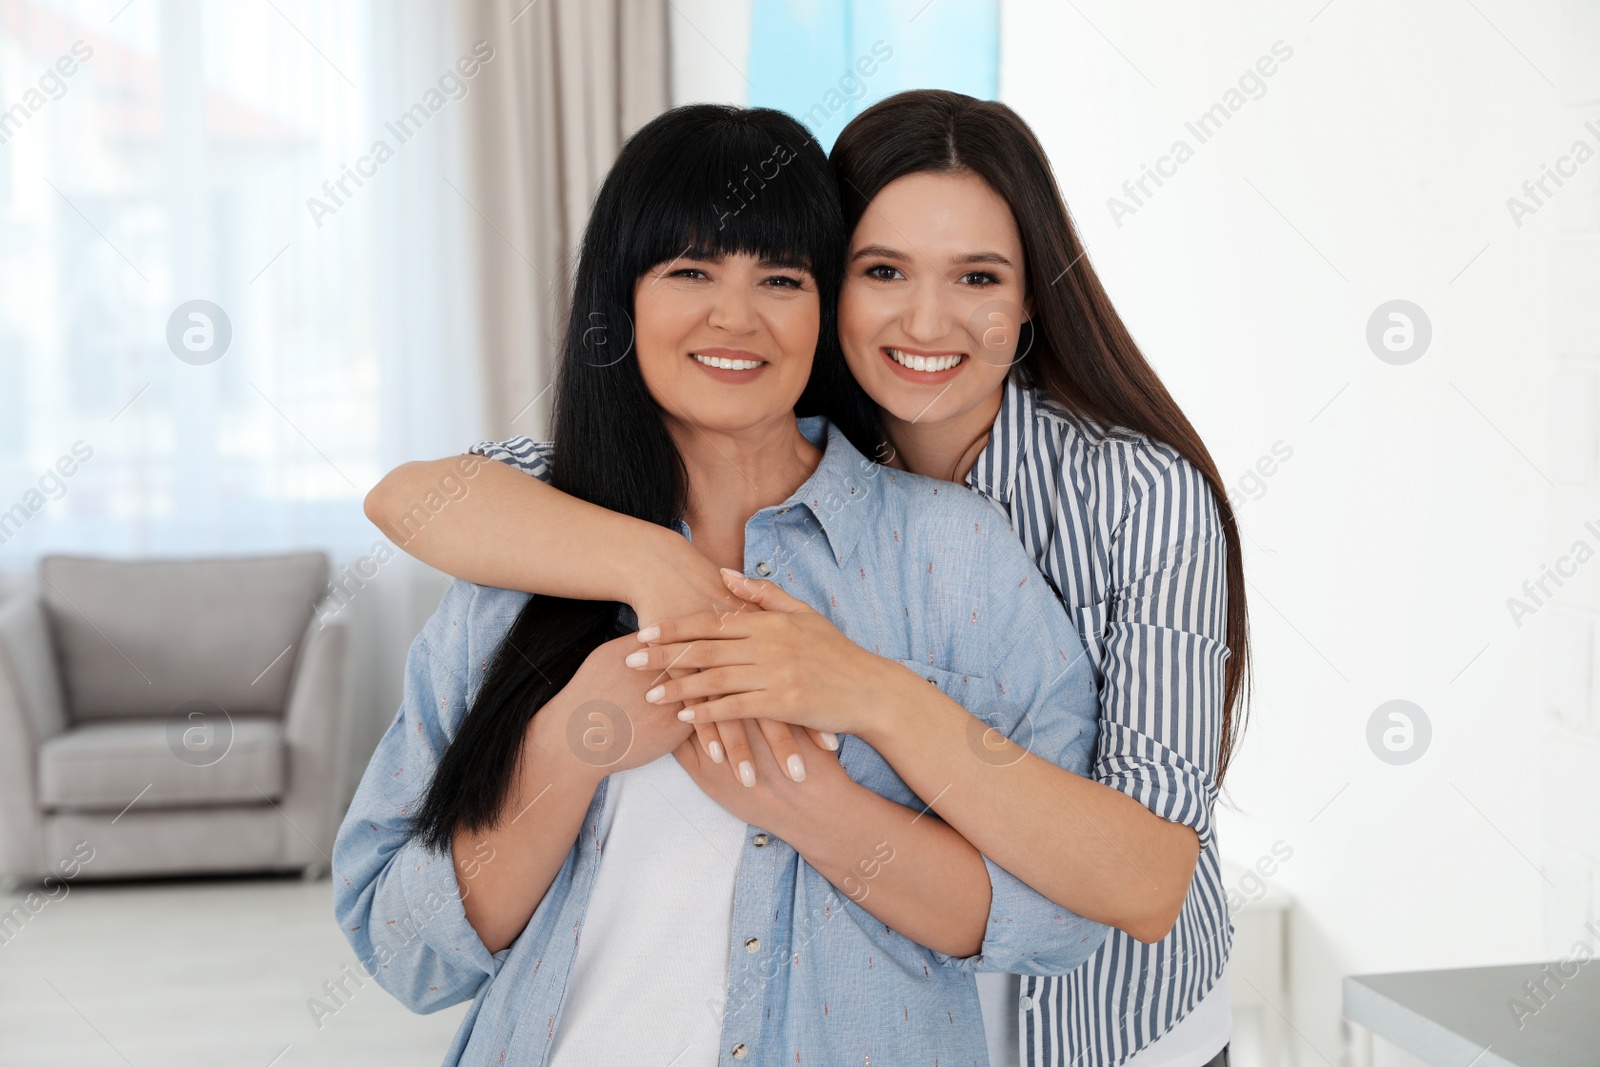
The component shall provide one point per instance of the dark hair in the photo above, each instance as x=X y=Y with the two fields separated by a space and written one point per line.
x=704 y=180
x=1075 y=347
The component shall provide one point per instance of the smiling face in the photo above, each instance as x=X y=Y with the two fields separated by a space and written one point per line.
x=725 y=343
x=933 y=297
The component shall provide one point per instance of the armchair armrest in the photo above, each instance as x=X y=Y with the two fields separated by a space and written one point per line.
x=31 y=711
x=312 y=729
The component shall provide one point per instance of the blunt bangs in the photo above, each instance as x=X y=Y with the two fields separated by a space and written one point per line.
x=732 y=182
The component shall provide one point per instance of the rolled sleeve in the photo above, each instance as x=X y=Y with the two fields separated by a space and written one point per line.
x=1157 y=777
x=398 y=904
x=524 y=453
x=1028 y=934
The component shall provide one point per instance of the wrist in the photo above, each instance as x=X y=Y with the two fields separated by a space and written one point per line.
x=900 y=696
x=657 y=551
x=552 y=754
x=825 y=832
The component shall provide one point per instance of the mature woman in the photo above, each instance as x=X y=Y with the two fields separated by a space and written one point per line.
x=993 y=359
x=538 y=832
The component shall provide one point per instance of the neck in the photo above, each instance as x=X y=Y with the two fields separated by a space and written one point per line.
x=946 y=449
x=734 y=475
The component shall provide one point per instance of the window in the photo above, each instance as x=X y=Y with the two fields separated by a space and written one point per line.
x=146 y=164
x=824 y=61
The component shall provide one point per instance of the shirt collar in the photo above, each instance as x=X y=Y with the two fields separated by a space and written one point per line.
x=841 y=478
x=995 y=471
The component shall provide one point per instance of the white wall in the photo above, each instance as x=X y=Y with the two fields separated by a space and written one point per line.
x=1572 y=754
x=1376 y=166
x=710 y=41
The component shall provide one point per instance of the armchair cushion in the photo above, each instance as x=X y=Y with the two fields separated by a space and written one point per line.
x=103 y=766
x=140 y=638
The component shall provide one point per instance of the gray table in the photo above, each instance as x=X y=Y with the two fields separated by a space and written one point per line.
x=1465 y=1017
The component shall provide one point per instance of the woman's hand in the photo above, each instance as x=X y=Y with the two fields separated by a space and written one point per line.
x=784 y=662
x=687 y=583
x=600 y=717
x=776 y=803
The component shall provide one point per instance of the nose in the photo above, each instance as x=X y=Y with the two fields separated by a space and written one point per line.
x=926 y=320
x=732 y=310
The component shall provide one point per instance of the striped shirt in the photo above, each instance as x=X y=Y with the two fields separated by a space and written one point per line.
x=1128 y=533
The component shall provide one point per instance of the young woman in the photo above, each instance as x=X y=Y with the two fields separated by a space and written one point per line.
x=994 y=359
x=560 y=852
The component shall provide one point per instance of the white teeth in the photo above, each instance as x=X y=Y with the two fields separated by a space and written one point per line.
x=927 y=364
x=727 y=364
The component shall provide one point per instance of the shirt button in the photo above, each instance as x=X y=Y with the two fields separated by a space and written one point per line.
x=763 y=568
x=1026 y=1003
x=753 y=945
x=740 y=1052
x=760 y=841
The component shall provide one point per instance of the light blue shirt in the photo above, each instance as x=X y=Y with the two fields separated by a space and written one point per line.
x=923 y=572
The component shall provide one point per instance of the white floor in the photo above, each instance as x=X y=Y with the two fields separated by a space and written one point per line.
x=196 y=973
x=218 y=973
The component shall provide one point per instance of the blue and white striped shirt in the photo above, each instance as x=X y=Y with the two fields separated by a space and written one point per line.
x=1128 y=532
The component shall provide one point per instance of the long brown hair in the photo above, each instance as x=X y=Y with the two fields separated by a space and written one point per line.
x=1080 y=353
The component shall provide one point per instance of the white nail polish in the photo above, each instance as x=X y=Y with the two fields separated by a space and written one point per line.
x=747 y=773
x=637 y=659
x=830 y=741
x=715 y=748
x=797 y=768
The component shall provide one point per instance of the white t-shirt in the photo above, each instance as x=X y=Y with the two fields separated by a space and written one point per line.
x=651 y=972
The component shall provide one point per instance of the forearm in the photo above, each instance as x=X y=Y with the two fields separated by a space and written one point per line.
x=1083 y=845
x=511 y=530
x=504 y=872
x=911 y=871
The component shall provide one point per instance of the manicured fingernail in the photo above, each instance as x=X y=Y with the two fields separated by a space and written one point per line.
x=637 y=659
x=715 y=748
x=830 y=741
x=747 y=773
x=797 y=768
x=649 y=633
x=654 y=696
x=686 y=715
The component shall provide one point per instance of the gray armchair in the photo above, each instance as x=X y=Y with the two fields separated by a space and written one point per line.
x=179 y=716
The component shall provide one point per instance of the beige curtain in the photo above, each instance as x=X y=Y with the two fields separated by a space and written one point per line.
x=569 y=81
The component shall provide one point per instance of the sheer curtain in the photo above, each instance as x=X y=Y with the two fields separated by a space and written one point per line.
x=236 y=284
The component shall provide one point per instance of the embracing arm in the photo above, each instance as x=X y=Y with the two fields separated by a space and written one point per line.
x=1076 y=841
x=497 y=522
x=485 y=522
x=1119 y=847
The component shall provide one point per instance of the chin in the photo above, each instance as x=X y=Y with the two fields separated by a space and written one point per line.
x=716 y=415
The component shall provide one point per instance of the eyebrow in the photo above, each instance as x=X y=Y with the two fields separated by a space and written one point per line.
x=885 y=252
